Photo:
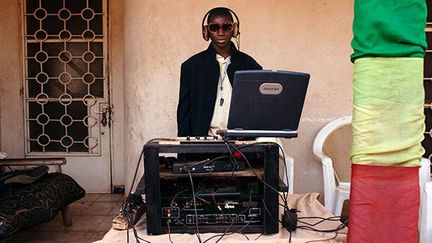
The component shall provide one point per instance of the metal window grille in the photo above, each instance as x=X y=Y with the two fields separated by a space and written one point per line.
x=427 y=82
x=64 y=75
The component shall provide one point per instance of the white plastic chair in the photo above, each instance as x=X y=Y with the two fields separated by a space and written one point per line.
x=425 y=224
x=290 y=172
x=332 y=147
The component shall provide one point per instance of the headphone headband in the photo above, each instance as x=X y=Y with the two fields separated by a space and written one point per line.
x=222 y=8
x=236 y=25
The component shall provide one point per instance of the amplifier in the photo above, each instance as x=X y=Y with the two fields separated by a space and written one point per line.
x=207 y=166
x=224 y=210
x=220 y=205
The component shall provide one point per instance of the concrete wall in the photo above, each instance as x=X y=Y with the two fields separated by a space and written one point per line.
x=116 y=90
x=11 y=76
x=302 y=35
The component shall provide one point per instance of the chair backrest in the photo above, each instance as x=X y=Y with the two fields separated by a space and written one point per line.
x=334 y=141
x=337 y=146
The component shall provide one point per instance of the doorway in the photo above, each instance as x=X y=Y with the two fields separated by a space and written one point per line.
x=66 y=87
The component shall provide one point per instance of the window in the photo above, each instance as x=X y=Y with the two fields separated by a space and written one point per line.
x=427 y=82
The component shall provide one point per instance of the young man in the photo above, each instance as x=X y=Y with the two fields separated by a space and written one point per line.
x=206 y=78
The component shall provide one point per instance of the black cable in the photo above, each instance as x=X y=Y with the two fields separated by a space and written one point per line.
x=141 y=238
x=285 y=196
x=286 y=172
x=238 y=230
x=137 y=238
x=253 y=171
x=321 y=240
x=290 y=217
x=319 y=222
x=129 y=223
x=229 y=233
x=175 y=196
x=268 y=211
x=258 y=236
x=247 y=238
x=250 y=166
x=339 y=227
x=247 y=208
x=225 y=232
x=142 y=155
x=169 y=231
x=195 y=208
x=332 y=218
x=207 y=161
x=136 y=171
x=186 y=226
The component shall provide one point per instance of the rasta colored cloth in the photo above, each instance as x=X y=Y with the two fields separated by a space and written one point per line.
x=388 y=28
x=388 y=122
x=384 y=212
x=388 y=119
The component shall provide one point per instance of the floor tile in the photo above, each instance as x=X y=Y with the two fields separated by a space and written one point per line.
x=59 y=237
x=86 y=223
x=90 y=197
x=99 y=208
x=95 y=236
x=106 y=224
x=115 y=210
x=110 y=198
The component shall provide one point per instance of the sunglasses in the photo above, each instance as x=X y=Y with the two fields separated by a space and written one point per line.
x=227 y=27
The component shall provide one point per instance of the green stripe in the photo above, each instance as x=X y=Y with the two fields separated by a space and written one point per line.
x=389 y=28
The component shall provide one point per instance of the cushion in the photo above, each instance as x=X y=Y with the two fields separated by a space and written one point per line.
x=25 y=205
x=26 y=176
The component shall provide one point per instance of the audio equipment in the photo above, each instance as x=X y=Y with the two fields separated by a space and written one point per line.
x=208 y=166
x=236 y=25
x=232 y=201
x=201 y=139
x=219 y=204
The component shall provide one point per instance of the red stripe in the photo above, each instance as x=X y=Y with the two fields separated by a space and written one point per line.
x=384 y=204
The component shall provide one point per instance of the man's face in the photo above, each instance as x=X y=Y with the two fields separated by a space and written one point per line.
x=221 y=31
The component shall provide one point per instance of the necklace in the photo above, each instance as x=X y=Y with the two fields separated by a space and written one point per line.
x=221 y=80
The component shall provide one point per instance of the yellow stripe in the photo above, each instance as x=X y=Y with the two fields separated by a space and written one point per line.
x=388 y=119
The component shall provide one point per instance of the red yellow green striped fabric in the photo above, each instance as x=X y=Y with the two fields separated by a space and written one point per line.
x=388 y=122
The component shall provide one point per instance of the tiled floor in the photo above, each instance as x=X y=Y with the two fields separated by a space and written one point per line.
x=91 y=219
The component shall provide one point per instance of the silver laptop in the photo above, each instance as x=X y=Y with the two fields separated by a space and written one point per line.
x=266 y=103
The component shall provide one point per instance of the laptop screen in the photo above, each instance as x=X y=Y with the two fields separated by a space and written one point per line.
x=267 y=103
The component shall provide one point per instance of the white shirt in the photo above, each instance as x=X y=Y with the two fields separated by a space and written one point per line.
x=223 y=97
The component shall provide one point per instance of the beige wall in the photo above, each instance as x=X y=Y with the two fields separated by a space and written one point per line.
x=302 y=35
x=116 y=90
x=11 y=78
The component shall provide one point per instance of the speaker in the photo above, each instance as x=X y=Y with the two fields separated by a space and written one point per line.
x=236 y=25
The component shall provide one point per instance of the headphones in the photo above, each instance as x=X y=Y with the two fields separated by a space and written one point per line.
x=236 y=25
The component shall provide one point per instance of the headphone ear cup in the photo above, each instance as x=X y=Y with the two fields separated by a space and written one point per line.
x=235 y=30
x=205 y=33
